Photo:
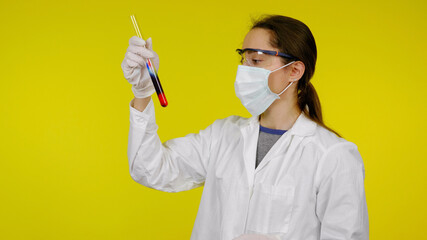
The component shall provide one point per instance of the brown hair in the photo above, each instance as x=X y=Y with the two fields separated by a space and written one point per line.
x=293 y=37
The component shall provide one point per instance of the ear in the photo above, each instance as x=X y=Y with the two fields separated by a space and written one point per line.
x=297 y=70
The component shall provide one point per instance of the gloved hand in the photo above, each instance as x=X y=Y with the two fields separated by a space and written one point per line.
x=134 y=66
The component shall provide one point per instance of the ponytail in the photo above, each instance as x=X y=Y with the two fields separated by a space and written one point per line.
x=309 y=103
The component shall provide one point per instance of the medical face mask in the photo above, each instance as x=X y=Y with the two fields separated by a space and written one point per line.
x=252 y=89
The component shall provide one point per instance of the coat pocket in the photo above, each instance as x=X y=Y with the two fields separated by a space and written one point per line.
x=270 y=209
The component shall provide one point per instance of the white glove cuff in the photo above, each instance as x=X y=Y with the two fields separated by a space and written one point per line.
x=143 y=93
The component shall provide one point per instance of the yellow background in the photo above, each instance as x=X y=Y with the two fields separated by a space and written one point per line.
x=65 y=117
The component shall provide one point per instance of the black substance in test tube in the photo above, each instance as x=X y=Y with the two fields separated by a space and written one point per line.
x=156 y=82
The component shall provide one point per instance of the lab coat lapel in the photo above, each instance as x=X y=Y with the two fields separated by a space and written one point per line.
x=303 y=126
x=250 y=132
x=288 y=142
x=281 y=146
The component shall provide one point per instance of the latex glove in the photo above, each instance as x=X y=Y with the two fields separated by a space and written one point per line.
x=134 y=66
x=255 y=237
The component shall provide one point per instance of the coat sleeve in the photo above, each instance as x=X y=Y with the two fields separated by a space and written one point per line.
x=175 y=165
x=341 y=202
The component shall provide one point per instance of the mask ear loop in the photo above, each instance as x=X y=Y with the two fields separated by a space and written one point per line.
x=285 y=89
x=290 y=83
x=283 y=66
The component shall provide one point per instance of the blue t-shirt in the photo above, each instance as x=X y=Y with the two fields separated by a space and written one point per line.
x=267 y=138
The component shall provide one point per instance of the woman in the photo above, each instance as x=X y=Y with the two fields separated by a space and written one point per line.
x=281 y=174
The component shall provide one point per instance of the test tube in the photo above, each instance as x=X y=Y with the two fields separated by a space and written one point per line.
x=152 y=70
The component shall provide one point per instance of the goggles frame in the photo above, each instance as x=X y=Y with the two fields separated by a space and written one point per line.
x=269 y=52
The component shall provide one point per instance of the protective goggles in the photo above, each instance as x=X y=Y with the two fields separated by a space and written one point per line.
x=260 y=58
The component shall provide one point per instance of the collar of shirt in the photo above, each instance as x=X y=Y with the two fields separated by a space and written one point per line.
x=271 y=130
x=303 y=126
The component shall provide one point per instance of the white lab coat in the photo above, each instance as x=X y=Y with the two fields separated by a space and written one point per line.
x=309 y=186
